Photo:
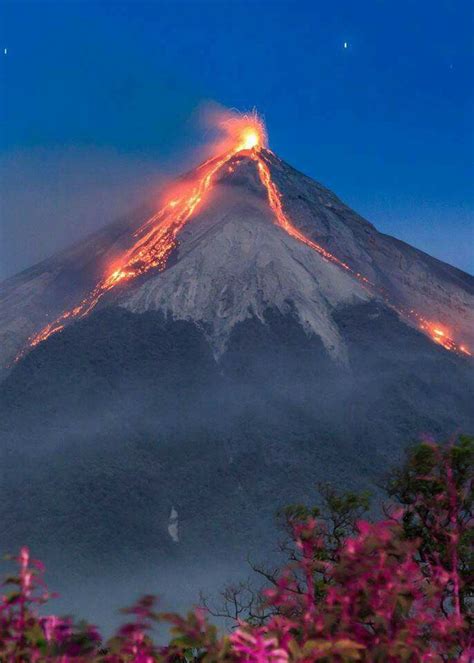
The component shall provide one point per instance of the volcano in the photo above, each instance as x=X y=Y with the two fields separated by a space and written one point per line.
x=174 y=379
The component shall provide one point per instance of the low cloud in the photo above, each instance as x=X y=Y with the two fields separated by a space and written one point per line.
x=53 y=197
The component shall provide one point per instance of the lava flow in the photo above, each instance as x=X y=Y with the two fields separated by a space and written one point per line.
x=157 y=237
x=435 y=331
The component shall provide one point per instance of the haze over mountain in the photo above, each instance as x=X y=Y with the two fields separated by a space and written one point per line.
x=176 y=384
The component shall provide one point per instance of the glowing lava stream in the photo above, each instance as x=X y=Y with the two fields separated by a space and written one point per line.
x=435 y=331
x=156 y=238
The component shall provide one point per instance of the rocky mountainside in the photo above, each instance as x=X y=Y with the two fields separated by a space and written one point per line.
x=147 y=446
x=236 y=229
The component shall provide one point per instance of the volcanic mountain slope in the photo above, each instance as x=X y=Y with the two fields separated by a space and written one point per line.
x=234 y=262
x=250 y=362
x=426 y=292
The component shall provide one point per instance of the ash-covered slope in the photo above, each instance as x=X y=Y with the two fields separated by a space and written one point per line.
x=221 y=387
x=249 y=262
x=234 y=263
x=411 y=278
x=37 y=295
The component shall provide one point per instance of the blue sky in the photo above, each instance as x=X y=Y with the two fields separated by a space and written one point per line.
x=112 y=90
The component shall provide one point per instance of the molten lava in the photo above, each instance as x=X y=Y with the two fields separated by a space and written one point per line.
x=442 y=336
x=274 y=200
x=250 y=139
x=157 y=237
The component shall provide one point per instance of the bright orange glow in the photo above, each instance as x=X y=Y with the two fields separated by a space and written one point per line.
x=274 y=200
x=250 y=138
x=237 y=132
x=433 y=330
x=442 y=336
x=157 y=237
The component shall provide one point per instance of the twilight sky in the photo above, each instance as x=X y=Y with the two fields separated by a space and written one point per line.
x=98 y=105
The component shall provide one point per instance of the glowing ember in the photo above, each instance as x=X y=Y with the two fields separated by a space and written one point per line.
x=442 y=336
x=438 y=335
x=274 y=199
x=250 y=139
x=157 y=237
x=239 y=132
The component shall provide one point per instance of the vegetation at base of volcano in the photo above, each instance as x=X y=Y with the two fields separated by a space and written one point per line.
x=396 y=590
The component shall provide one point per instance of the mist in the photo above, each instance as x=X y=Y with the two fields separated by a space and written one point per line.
x=107 y=447
x=51 y=198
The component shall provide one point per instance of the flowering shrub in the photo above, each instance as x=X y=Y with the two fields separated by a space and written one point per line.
x=24 y=635
x=380 y=594
x=378 y=606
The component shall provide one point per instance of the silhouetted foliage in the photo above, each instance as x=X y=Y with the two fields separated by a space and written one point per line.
x=392 y=591
x=425 y=486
